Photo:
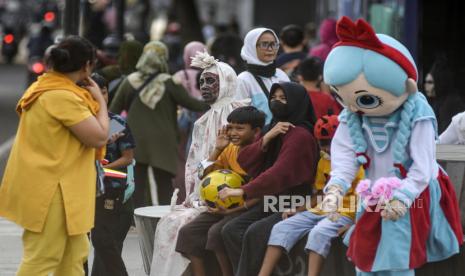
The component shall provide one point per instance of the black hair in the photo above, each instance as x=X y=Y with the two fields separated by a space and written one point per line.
x=227 y=48
x=324 y=142
x=100 y=80
x=310 y=68
x=247 y=115
x=443 y=76
x=71 y=54
x=292 y=35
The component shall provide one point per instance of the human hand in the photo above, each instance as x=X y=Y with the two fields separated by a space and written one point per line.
x=288 y=213
x=279 y=128
x=228 y=192
x=93 y=88
x=222 y=139
x=393 y=210
x=115 y=137
x=341 y=232
x=219 y=210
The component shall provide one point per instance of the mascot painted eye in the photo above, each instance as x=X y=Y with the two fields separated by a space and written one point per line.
x=369 y=101
x=338 y=98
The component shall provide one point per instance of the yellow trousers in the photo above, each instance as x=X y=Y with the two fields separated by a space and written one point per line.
x=52 y=251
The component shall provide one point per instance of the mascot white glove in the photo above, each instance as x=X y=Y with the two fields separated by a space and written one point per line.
x=331 y=202
x=394 y=210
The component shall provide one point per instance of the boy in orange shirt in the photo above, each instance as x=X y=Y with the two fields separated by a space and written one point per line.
x=204 y=232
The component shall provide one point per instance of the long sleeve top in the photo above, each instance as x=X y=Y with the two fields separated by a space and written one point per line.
x=248 y=87
x=455 y=132
x=421 y=150
x=294 y=166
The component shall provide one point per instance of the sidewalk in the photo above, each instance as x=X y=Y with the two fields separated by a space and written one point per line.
x=11 y=250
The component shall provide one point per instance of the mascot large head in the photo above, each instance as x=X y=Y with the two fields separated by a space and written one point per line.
x=372 y=75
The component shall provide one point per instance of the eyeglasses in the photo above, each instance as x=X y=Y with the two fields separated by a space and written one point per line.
x=264 y=45
x=429 y=82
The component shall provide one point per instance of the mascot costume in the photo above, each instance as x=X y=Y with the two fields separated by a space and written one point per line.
x=409 y=213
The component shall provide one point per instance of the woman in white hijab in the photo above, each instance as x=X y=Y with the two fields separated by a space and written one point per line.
x=259 y=52
x=219 y=94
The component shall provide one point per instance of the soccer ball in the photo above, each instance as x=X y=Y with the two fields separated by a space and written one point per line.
x=215 y=182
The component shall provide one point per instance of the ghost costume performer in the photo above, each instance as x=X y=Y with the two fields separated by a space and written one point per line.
x=388 y=127
x=166 y=261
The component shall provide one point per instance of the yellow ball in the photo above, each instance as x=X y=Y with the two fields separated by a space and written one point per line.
x=215 y=182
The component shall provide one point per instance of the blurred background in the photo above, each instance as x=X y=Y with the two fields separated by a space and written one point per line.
x=431 y=30
x=428 y=28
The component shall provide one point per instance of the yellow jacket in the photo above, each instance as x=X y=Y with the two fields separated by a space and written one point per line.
x=349 y=202
x=46 y=156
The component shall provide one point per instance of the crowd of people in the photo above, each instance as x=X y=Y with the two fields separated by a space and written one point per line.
x=345 y=122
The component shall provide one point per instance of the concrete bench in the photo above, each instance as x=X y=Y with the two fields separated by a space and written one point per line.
x=452 y=159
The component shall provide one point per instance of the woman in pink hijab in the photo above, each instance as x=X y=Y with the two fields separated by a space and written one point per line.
x=186 y=118
x=188 y=76
x=328 y=38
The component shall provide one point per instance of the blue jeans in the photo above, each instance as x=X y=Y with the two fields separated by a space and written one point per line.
x=409 y=272
x=319 y=228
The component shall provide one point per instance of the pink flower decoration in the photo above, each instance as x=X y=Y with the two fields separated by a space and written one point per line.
x=363 y=187
x=369 y=200
x=394 y=182
x=382 y=189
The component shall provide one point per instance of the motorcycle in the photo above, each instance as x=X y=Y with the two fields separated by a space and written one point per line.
x=37 y=46
x=36 y=67
x=9 y=45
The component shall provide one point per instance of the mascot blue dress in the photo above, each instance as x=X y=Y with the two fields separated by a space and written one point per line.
x=388 y=127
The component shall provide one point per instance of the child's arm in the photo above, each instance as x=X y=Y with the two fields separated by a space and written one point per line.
x=125 y=143
x=344 y=165
x=209 y=169
x=222 y=141
x=122 y=162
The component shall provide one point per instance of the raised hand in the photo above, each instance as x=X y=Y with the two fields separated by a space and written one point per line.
x=279 y=128
x=93 y=88
x=115 y=137
x=222 y=139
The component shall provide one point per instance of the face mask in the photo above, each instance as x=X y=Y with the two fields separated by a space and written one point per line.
x=279 y=110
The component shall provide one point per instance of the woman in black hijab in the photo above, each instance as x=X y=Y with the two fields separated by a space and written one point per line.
x=282 y=163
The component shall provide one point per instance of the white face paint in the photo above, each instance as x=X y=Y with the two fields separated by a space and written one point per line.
x=362 y=98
